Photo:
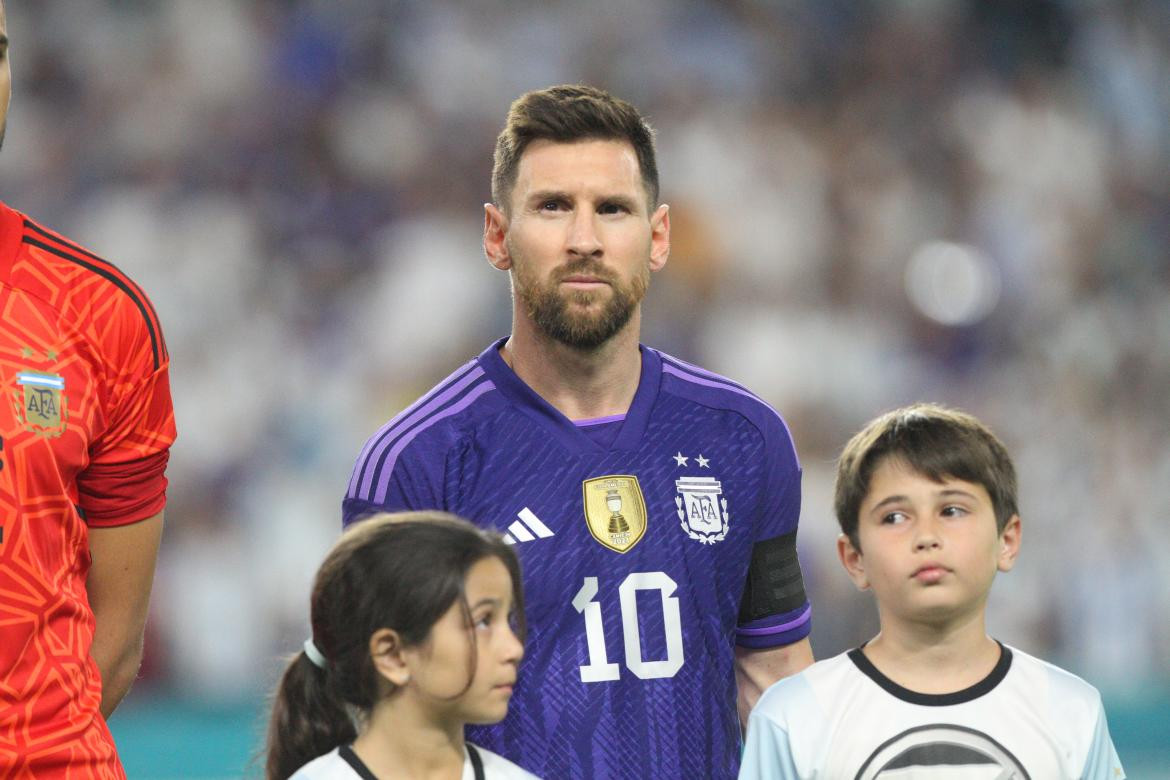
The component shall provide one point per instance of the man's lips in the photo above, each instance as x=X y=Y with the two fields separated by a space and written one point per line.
x=584 y=281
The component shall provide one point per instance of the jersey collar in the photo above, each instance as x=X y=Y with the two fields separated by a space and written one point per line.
x=529 y=402
x=981 y=688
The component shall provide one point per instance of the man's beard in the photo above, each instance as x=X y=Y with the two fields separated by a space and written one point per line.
x=552 y=310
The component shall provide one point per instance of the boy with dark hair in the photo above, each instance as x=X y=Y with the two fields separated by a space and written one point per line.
x=926 y=499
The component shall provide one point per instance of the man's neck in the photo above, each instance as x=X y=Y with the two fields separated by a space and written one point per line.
x=580 y=384
x=934 y=658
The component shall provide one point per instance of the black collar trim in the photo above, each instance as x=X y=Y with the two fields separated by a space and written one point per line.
x=351 y=758
x=981 y=688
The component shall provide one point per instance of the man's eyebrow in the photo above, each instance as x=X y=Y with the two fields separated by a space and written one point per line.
x=543 y=195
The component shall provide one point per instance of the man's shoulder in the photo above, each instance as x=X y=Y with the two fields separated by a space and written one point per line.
x=81 y=287
x=464 y=398
x=715 y=391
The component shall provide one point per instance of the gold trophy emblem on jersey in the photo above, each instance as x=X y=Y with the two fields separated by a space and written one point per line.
x=615 y=510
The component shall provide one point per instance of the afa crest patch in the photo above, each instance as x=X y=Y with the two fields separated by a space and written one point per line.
x=702 y=509
x=41 y=403
x=615 y=510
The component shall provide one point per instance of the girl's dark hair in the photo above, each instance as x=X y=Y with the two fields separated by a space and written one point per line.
x=399 y=571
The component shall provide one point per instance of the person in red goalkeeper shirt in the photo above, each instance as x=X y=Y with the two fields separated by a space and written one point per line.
x=86 y=425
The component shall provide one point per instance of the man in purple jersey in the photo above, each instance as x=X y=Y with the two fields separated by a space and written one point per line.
x=653 y=504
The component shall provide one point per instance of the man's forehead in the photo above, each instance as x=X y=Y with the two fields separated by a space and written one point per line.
x=594 y=161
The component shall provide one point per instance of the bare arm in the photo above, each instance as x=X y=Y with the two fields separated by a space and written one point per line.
x=755 y=670
x=120 y=578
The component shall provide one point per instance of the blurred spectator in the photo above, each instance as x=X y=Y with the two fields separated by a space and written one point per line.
x=298 y=186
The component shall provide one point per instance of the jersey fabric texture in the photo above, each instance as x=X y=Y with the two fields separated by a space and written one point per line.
x=635 y=535
x=343 y=764
x=842 y=718
x=86 y=423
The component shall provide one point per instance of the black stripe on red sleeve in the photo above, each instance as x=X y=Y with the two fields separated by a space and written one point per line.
x=122 y=282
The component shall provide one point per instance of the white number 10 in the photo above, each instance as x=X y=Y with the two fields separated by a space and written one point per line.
x=599 y=669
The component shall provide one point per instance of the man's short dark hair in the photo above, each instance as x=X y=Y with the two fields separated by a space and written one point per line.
x=566 y=114
x=935 y=441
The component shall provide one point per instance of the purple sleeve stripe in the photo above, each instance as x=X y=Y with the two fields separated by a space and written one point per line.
x=667 y=368
x=599 y=420
x=443 y=388
x=398 y=427
x=699 y=371
x=779 y=628
x=387 y=470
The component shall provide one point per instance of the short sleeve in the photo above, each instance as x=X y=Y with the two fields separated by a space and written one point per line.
x=395 y=473
x=1102 y=762
x=767 y=755
x=774 y=610
x=125 y=480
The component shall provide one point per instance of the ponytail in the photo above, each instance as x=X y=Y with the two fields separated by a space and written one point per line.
x=308 y=719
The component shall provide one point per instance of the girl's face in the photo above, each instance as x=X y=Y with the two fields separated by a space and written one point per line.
x=441 y=665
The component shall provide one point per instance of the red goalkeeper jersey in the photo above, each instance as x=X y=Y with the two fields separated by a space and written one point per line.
x=86 y=424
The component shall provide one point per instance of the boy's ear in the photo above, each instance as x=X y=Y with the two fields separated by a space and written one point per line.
x=1009 y=544
x=852 y=561
x=386 y=650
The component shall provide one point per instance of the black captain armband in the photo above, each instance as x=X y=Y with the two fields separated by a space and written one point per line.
x=774 y=582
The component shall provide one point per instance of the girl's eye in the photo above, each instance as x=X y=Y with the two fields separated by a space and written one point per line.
x=484 y=621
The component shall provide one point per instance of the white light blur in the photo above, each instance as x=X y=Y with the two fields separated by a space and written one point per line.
x=952 y=284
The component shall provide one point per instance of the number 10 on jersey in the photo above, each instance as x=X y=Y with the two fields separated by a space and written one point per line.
x=599 y=668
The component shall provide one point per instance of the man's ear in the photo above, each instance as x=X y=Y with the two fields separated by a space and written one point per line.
x=659 y=237
x=495 y=233
x=1009 y=544
x=853 y=562
x=389 y=660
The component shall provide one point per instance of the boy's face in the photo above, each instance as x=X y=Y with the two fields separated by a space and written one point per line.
x=929 y=550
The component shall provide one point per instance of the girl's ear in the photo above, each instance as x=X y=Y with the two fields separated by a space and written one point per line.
x=386 y=650
x=852 y=561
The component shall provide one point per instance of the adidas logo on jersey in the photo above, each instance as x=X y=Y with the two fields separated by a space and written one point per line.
x=528 y=528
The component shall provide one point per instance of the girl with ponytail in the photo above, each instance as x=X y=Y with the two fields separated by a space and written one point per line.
x=415 y=624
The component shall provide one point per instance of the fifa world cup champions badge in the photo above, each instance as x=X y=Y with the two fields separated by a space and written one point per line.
x=615 y=510
x=40 y=400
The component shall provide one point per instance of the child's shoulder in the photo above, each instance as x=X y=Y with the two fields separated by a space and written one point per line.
x=1063 y=689
x=804 y=691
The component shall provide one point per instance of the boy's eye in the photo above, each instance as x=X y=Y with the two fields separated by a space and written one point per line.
x=894 y=518
x=954 y=511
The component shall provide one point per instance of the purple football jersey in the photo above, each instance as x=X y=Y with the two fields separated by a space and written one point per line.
x=635 y=535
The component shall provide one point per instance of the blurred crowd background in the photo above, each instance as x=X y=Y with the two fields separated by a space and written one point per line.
x=873 y=203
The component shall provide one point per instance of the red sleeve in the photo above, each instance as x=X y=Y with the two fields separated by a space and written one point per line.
x=123 y=493
x=124 y=481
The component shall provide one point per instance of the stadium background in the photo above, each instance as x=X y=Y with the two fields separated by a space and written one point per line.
x=874 y=203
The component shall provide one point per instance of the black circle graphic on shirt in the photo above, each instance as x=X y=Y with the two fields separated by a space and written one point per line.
x=938 y=745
